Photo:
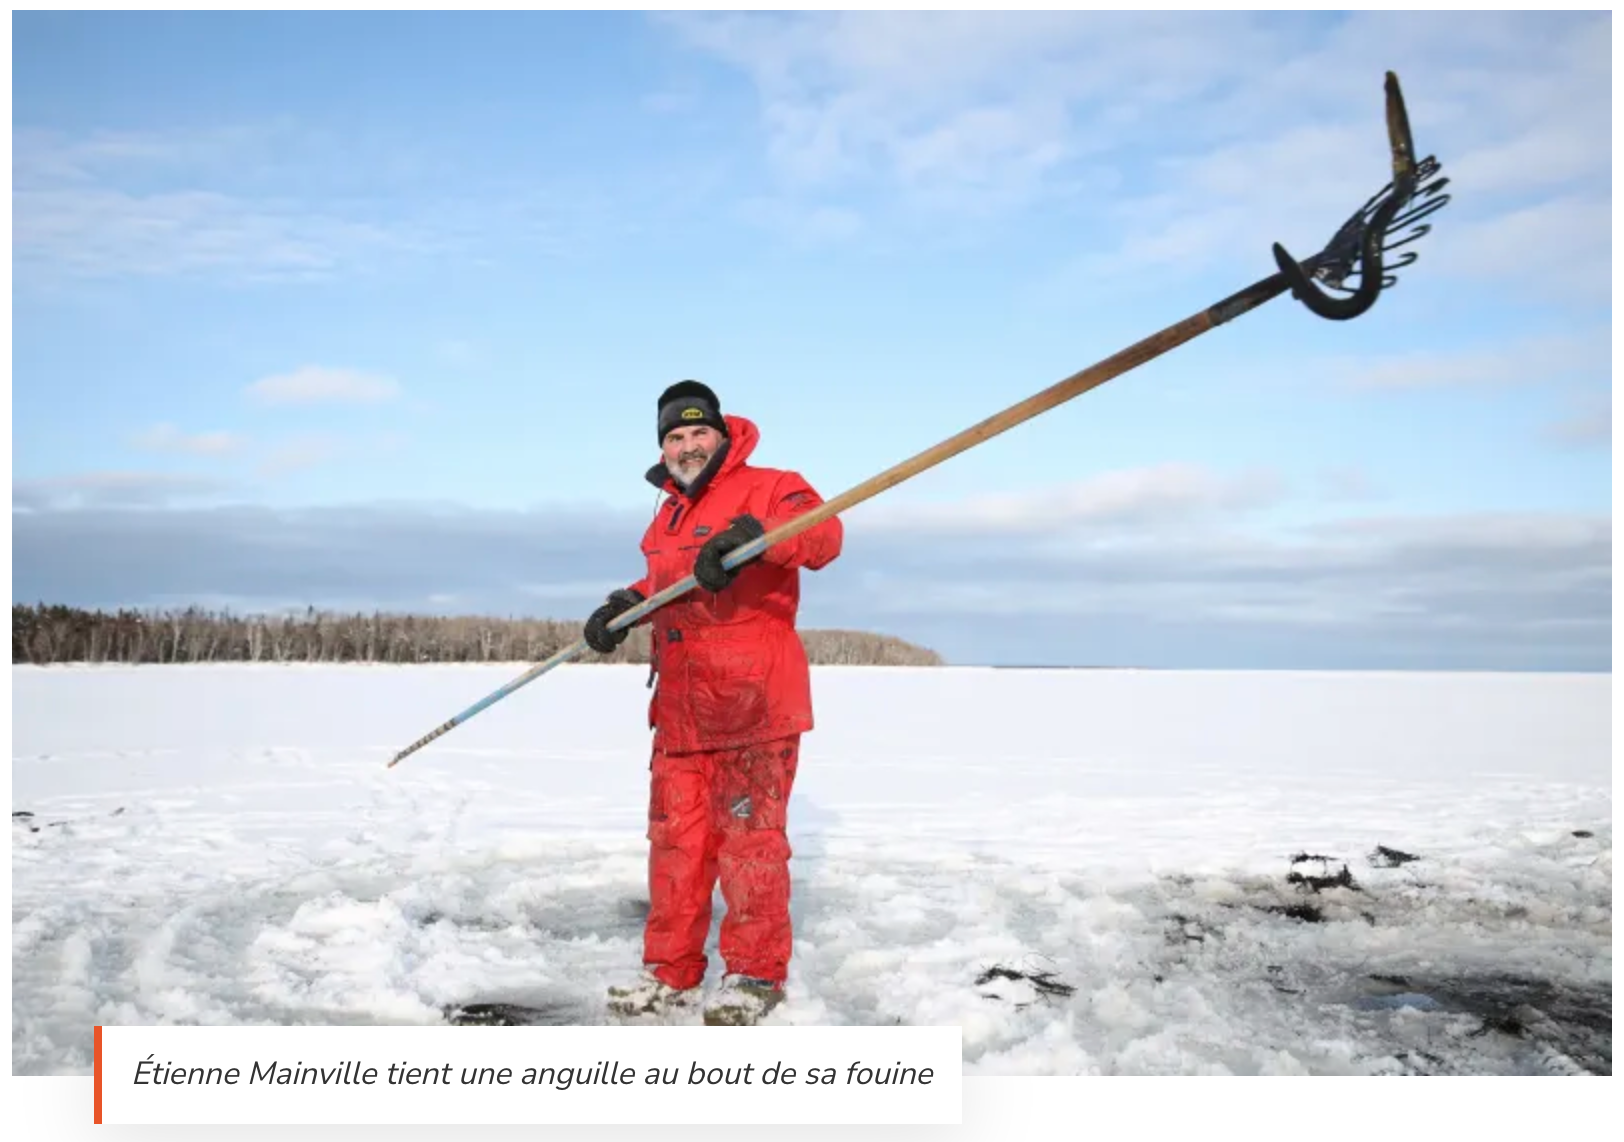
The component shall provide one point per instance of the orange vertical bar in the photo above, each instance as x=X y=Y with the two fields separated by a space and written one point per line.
x=96 y=1070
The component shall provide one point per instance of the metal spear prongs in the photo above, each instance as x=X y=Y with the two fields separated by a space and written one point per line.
x=1360 y=245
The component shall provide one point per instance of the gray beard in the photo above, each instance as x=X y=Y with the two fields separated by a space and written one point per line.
x=682 y=480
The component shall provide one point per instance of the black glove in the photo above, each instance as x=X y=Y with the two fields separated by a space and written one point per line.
x=598 y=635
x=708 y=567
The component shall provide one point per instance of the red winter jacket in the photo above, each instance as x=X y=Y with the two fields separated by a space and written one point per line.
x=731 y=668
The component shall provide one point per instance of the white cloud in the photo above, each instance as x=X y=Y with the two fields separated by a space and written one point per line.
x=1120 y=499
x=1499 y=588
x=110 y=489
x=1507 y=591
x=1560 y=246
x=168 y=438
x=669 y=102
x=1534 y=360
x=307 y=450
x=299 y=453
x=99 y=231
x=1590 y=427
x=459 y=354
x=803 y=224
x=257 y=202
x=977 y=102
x=1534 y=534
x=317 y=384
x=1197 y=138
x=1551 y=154
x=46 y=158
x=1349 y=483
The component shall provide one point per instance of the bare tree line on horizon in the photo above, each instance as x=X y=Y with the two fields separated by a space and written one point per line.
x=45 y=634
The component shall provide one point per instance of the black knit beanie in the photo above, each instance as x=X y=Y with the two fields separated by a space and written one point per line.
x=689 y=402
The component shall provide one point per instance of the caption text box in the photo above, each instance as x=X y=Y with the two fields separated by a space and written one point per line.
x=506 y=1075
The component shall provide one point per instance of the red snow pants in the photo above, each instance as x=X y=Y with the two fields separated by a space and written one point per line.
x=720 y=815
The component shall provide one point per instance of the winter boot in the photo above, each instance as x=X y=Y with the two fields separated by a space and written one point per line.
x=649 y=995
x=742 y=1002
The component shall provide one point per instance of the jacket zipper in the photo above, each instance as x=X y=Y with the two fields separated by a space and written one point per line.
x=654 y=632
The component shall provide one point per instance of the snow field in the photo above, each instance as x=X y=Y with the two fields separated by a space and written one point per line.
x=1087 y=871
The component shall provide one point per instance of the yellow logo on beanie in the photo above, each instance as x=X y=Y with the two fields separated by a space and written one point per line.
x=693 y=414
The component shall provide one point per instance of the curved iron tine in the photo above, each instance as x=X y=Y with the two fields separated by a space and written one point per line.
x=1370 y=203
x=1413 y=217
x=1408 y=258
x=1357 y=247
x=1416 y=213
x=1431 y=200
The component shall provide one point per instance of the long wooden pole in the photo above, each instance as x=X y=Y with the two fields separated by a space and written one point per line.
x=1057 y=394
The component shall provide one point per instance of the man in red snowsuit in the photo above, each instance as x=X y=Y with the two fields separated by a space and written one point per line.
x=732 y=701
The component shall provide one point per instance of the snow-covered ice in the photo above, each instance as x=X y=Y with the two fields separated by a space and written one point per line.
x=225 y=845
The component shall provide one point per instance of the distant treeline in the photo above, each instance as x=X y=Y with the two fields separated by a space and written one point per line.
x=43 y=635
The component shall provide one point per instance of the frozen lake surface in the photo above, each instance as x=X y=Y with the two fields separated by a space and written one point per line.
x=1087 y=871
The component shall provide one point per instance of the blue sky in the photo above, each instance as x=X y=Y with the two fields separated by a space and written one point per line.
x=370 y=310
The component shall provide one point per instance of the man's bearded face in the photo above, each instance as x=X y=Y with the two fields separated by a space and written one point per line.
x=688 y=450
